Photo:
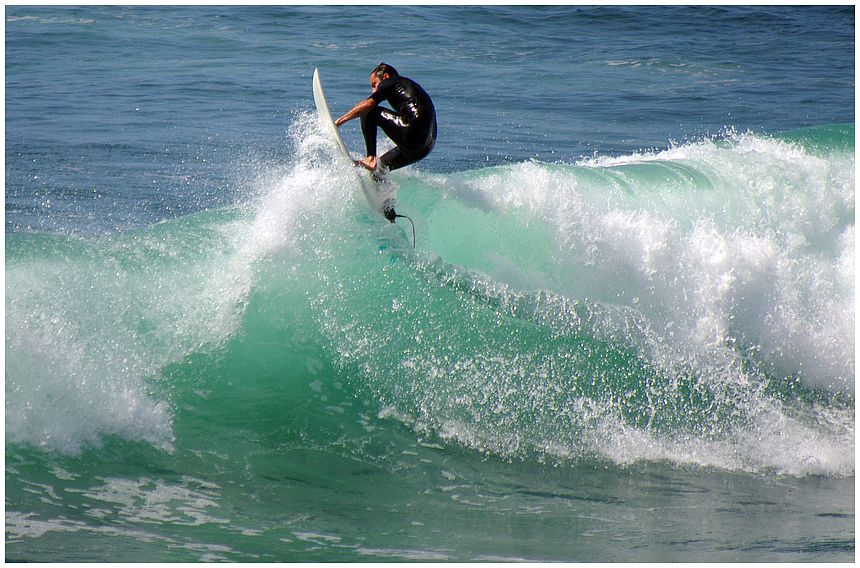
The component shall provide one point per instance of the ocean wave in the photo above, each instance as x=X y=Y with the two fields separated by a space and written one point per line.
x=691 y=305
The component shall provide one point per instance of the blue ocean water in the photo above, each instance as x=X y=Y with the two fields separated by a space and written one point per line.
x=626 y=332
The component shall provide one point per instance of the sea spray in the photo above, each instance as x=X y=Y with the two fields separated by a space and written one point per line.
x=648 y=307
x=705 y=304
x=744 y=239
x=92 y=322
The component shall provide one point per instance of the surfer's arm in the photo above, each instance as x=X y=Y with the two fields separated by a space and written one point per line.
x=360 y=109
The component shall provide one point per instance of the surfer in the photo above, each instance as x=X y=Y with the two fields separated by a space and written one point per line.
x=411 y=126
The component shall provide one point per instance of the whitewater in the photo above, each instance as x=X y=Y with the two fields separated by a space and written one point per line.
x=653 y=306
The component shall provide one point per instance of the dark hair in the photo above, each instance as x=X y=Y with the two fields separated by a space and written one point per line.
x=384 y=68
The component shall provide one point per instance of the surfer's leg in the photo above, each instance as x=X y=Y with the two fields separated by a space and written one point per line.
x=397 y=158
x=412 y=141
x=390 y=122
x=368 y=130
x=416 y=145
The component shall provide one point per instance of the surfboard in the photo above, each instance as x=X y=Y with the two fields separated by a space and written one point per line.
x=377 y=198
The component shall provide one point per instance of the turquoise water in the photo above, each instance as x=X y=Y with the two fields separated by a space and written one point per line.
x=626 y=332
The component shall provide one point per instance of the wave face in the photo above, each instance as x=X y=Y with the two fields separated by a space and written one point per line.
x=693 y=305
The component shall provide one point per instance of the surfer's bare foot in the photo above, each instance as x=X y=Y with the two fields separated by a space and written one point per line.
x=369 y=163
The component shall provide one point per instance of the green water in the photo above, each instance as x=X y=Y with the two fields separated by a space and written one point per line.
x=573 y=365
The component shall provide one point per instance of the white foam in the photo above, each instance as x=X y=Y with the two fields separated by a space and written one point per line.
x=773 y=443
x=747 y=242
x=87 y=334
x=727 y=267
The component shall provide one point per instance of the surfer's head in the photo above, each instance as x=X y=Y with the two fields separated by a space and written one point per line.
x=385 y=69
x=380 y=73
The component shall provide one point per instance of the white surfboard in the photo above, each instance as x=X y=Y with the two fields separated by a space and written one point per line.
x=376 y=197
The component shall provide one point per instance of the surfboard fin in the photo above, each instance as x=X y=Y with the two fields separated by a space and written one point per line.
x=388 y=210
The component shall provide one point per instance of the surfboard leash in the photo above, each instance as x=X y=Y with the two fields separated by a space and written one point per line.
x=397 y=215
x=389 y=213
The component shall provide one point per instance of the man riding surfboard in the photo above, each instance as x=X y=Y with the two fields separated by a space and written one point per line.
x=411 y=125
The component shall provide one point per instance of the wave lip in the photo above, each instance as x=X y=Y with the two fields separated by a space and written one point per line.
x=695 y=305
x=745 y=240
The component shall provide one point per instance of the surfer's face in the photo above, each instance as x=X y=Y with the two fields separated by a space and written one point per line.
x=375 y=81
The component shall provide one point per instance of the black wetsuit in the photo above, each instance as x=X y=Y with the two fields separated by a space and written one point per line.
x=411 y=125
